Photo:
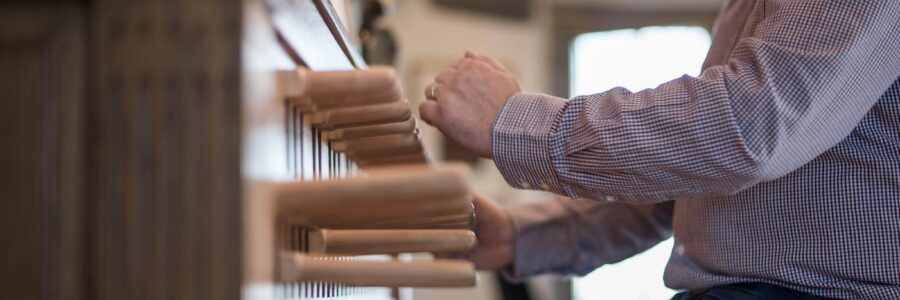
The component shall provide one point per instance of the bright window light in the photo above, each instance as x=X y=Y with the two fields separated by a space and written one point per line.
x=635 y=59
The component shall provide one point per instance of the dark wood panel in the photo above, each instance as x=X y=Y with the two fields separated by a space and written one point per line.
x=121 y=175
x=164 y=151
x=41 y=96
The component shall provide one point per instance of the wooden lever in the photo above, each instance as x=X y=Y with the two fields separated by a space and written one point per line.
x=426 y=213
x=377 y=146
x=363 y=115
x=437 y=273
x=386 y=185
x=379 y=241
x=408 y=126
x=313 y=91
x=389 y=199
x=393 y=160
x=456 y=220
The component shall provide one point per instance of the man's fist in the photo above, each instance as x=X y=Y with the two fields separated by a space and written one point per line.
x=493 y=228
x=468 y=97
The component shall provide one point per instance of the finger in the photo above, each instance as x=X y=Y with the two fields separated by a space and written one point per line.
x=488 y=60
x=447 y=75
x=456 y=63
x=478 y=203
x=475 y=64
x=494 y=63
x=431 y=91
x=428 y=111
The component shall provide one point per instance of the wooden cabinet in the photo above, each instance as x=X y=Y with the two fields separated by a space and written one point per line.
x=120 y=167
x=279 y=142
x=135 y=137
x=42 y=98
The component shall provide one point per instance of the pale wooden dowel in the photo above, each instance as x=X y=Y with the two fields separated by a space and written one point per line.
x=386 y=186
x=403 y=198
x=440 y=213
x=410 y=168
x=350 y=133
x=402 y=159
x=381 y=146
x=363 y=115
x=386 y=157
x=312 y=91
x=454 y=214
x=437 y=273
x=389 y=241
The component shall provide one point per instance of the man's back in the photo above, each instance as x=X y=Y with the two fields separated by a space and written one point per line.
x=831 y=227
x=779 y=164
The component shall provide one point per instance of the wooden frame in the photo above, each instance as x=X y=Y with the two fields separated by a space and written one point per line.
x=42 y=87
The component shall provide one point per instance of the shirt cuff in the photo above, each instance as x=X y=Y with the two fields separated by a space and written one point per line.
x=521 y=141
x=543 y=242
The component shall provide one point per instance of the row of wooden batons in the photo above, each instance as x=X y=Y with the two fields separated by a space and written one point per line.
x=400 y=204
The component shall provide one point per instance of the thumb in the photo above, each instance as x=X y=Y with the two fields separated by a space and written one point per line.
x=428 y=111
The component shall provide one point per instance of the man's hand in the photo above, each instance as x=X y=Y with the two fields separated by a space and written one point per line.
x=493 y=228
x=468 y=97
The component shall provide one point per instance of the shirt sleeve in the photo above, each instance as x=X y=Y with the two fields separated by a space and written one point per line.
x=791 y=90
x=562 y=236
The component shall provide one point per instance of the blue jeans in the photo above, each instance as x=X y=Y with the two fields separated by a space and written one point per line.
x=746 y=291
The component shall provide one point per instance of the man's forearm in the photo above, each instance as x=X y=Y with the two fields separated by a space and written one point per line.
x=788 y=94
x=565 y=236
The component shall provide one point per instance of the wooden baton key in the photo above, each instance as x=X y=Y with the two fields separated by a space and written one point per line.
x=350 y=133
x=362 y=115
x=463 y=220
x=389 y=241
x=378 y=146
x=438 y=273
x=431 y=213
x=405 y=197
x=367 y=163
x=314 y=91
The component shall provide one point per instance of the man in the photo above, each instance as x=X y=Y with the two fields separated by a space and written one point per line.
x=777 y=170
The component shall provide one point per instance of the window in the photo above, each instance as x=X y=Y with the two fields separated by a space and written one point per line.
x=635 y=59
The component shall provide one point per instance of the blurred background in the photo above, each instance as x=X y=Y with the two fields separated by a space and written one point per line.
x=564 y=48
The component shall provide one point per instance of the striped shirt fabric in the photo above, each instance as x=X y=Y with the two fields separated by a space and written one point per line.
x=779 y=164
